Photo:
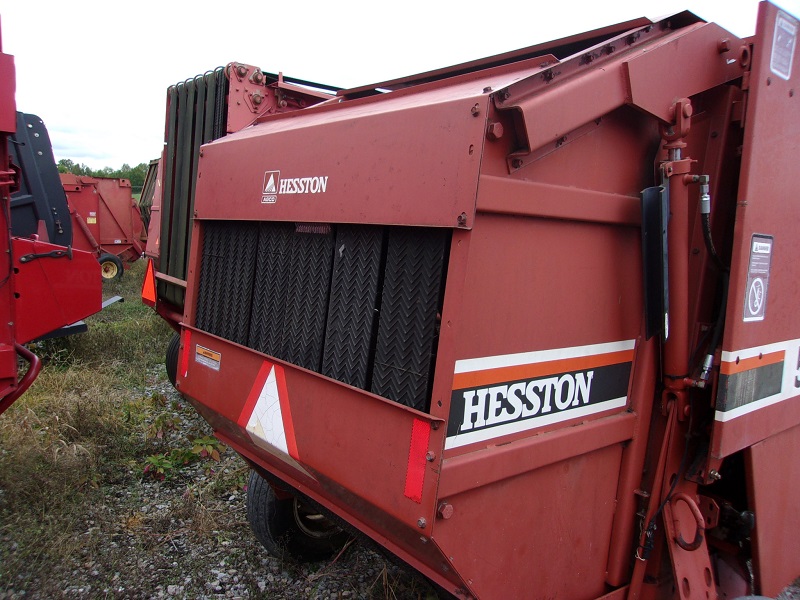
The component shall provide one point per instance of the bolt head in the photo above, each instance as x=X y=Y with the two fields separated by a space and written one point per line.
x=445 y=510
x=494 y=131
x=422 y=523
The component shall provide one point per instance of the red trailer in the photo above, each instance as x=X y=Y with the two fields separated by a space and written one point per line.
x=45 y=284
x=106 y=221
x=529 y=322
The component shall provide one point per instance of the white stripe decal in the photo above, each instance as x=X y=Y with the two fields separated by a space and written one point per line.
x=489 y=433
x=513 y=360
x=766 y=349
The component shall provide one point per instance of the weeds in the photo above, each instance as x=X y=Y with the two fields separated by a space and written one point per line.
x=77 y=429
x=108 y=487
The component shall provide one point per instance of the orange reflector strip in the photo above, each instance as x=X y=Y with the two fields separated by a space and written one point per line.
x=762 y=360
x=417 y=462
x=149 y=285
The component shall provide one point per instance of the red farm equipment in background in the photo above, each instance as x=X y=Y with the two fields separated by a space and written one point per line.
x=106 y=221
x=45 y=285
x=529 y=323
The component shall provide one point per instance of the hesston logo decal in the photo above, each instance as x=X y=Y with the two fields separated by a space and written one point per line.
x=501 y=395
x=274 y=185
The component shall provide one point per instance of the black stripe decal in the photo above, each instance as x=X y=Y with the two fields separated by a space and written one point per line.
x=522 y=400
x=739 y=389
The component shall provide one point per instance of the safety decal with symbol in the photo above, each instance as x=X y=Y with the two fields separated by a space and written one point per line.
x=755 y=302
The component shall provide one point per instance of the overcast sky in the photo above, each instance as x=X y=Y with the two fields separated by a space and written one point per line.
x=97 y=72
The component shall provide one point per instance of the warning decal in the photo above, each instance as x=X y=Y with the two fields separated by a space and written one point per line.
x=207 y=357
x=755 y=301
x=784 y=41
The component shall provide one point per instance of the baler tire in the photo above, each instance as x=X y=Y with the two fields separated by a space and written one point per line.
x=171 y=359
x=110 y=267
x=278 y=525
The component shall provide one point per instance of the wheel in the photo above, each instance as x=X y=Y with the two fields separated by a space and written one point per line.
x=290 y=526
x=110 y=267
x=171 y=360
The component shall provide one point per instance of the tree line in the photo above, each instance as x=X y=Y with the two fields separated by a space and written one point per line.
x=135 y=174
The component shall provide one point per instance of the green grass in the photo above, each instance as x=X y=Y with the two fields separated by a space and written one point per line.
x=78 y=427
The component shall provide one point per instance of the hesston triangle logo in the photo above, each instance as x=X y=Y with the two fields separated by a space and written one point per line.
x=274 y=185
x=269 y=194
x=271 y=188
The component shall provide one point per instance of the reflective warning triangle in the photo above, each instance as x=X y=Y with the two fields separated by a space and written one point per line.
x=270 y=419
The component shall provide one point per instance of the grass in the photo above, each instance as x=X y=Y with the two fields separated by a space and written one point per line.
x=74 y=457
x=78 y=427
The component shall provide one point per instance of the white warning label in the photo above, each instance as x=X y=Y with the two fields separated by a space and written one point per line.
x=209 y=358
x=755 y=301
x=784 y=41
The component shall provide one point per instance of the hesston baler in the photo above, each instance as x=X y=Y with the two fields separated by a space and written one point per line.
x=529 y=322
x=45 y=285
x=106 y=221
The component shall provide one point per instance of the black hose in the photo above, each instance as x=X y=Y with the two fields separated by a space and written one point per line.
x=710 y=243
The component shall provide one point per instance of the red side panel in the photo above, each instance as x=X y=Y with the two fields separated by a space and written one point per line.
x=7 y=89
x=759 y=391
x=758 y=401
x=52 y=292
x=8 y=356
x=775 y=492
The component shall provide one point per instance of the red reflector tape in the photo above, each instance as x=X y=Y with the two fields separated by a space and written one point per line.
x=252 y=397
x=187 y=342
x=415 y=473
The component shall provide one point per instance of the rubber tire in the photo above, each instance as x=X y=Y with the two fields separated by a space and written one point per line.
x=110 y=267
x=171 y=359
x=274 y=524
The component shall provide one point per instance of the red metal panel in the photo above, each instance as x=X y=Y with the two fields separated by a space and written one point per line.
x=686 y=64
x=8 y=355
x=153 y=248
x=7 y=90
x=623 y=70
x=53 y=292
x=544 y=534
x=365 y=162
x=774 y=484
x=557 y=283
x=355 y=438
x=767 y=206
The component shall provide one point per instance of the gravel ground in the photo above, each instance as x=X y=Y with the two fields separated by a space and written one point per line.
x=188 y=537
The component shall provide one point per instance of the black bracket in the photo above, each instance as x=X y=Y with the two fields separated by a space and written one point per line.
x=54 y=254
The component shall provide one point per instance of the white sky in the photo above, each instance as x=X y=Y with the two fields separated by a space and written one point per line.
x=97 y=72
